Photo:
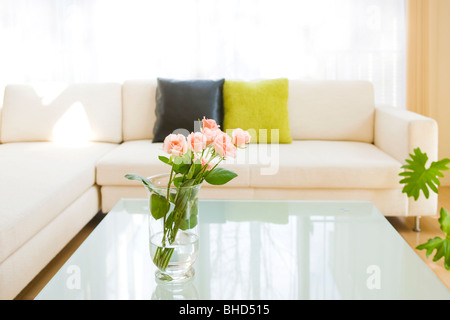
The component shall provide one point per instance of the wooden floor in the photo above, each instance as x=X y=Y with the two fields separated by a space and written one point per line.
x=404 y=225
x=430 y=229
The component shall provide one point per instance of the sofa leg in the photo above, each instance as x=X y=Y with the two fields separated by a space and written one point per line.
x=417 y=224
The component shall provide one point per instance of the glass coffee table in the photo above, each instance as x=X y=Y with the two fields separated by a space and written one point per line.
x=253 y=250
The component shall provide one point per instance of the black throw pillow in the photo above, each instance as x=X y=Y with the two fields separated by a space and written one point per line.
x=181 y=103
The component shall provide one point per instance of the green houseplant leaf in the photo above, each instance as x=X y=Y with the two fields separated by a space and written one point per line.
x=442 y=246
x=417 y=177
x=444 y=221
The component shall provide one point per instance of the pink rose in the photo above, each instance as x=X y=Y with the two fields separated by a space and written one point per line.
x=196 y=141
x=240 y=137
x=210 y=124
x=224 y=146
x=210 y=134
x=210 y=129
x=175 y=144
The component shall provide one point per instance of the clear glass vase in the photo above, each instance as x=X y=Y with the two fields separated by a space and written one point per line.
x=174 y=235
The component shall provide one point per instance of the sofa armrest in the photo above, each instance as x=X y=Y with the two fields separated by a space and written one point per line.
x=1 y=108
x=398 y=132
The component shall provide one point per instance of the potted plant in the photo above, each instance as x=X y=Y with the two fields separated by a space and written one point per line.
x=417 y=178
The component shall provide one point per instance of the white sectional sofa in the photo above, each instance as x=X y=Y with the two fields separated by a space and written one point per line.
x=52 y=182
x=47 y=175
x=344 y=148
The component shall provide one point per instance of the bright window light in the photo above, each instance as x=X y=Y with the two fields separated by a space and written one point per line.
x=117 y=40
x=73 y=128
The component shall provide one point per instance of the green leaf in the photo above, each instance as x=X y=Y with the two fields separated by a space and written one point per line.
x=188 y=183
x=419 y=178
x=190 y=223
x=430 y=246
x=164 y=159
x=444 y=221
x=190 y=220
x=146 y=182
x=159 y=206
x=186 y=207
x=181 y=168
x=182 y=164
x=177 y=181
x=442 y=246
x=220 y=176
x=186 y=159
x=193 y=170
x=184 y=193
x=165 y=277
x=194 y=207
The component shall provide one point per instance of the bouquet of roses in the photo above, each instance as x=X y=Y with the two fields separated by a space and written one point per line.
x=196 y=157
x=193 y=159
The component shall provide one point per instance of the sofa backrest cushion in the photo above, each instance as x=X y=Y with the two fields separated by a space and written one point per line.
x=318 y=110
x=331 y=110
x=139 y=104
x=59 y=112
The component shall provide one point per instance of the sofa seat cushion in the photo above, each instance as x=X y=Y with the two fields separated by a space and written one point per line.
x=325 y=164
x=38 y=181
x=141 y=157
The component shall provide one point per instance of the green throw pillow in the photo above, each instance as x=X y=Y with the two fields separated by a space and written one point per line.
x=255 y=105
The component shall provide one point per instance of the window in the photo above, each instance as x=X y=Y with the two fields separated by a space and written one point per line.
x=116 y=40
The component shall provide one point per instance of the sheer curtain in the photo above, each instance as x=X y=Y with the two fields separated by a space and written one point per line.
x=115 y=40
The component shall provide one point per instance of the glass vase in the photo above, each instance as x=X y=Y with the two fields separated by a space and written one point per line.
x=174 y=235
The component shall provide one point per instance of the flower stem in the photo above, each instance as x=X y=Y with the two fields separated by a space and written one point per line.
x=214 y=167
x=162 y=257
x=168 y=199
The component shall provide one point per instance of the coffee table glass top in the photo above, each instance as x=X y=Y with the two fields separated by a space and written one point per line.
x=254 y=250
